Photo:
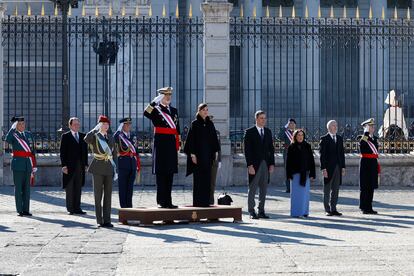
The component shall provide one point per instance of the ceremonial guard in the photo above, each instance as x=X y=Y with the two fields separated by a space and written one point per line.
x=103 y=169
x=166 y=144
x=369 y=168
x=23 y=164
x=129 y=164
x=286 y=136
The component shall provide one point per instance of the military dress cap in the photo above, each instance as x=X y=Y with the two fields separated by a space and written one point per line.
x=165 y=90
x=103 y=119
x=125 y=120
x=368 y=122
x=291 y=120
x=17 y=119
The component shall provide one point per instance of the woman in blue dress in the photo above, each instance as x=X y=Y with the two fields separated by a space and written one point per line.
x=300 y=170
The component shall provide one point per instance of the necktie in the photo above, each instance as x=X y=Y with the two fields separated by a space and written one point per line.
x=77 y=137
x=261 y=134
x=334 y=138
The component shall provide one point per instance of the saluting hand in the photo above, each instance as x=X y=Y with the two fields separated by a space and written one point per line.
x=158 y=99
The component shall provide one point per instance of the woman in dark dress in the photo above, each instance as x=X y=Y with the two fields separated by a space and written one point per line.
x=300 y=170
x=201 y=147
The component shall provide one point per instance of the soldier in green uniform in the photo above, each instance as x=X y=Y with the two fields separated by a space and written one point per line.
x=23 y=164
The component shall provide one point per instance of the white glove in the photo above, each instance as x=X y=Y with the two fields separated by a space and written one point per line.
x=34 y=170
x=158 y=99
x=14 y=125
x=98 y=126
x=219 y=165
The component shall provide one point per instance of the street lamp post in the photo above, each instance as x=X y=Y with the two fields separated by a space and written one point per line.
x=64 y=7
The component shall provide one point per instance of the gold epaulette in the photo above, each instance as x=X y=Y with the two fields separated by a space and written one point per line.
x=364 y=138
x=149 y=109
x=121 y=148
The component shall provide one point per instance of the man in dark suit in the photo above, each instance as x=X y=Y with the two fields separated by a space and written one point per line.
x=74 y=159
x=260 y=158
x=332 y=156
x=164 y=117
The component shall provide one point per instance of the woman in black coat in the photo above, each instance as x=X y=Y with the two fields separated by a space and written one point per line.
x=201 y=147
x=300 y=169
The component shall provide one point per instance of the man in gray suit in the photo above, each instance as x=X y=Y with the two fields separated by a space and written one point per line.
x=103 y=169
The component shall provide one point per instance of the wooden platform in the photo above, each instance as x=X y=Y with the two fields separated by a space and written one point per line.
x=148 y=216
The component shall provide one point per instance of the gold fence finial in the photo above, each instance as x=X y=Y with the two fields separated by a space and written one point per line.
x=83 y=10
x=42 y=11
x=177 y=11
x=123 y=11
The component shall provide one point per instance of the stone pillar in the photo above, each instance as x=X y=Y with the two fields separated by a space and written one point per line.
x=2 y=10
x=216 y=59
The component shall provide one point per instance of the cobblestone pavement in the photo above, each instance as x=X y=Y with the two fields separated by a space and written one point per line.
x=55 y=243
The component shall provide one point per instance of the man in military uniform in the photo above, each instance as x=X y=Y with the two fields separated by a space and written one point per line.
x=128 y=162
x=286 y=136
x=164 y=117
x=23 y=164
x=369 y=168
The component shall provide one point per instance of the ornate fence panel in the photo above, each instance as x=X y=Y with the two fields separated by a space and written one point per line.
x=315 y=70
x=115 y=66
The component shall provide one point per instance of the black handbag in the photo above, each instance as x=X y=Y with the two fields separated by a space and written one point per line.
x=224 y=199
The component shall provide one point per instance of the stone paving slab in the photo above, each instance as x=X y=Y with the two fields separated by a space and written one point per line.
x=55 y=243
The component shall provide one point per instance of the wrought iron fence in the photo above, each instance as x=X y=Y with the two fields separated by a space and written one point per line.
x=312 y=70
x=115 y=66
x=319 y=69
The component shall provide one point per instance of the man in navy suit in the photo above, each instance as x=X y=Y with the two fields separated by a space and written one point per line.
x=260 y=158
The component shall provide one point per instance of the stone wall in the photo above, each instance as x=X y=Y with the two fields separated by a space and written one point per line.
x=397 y=170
